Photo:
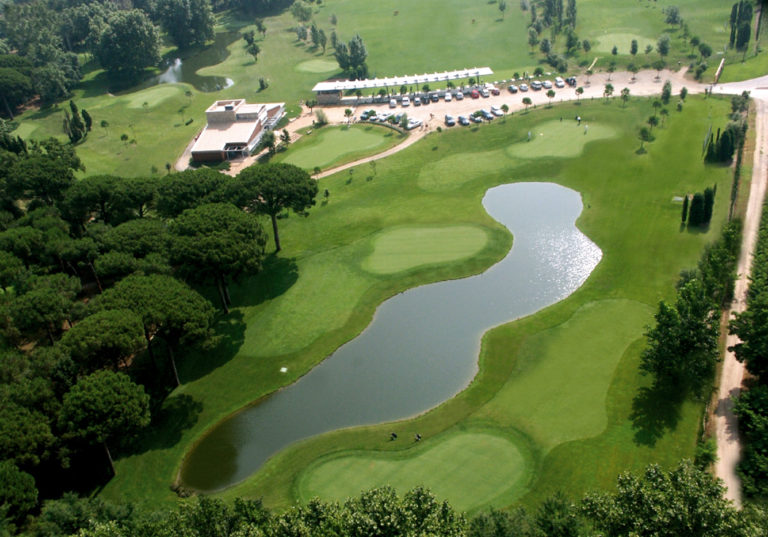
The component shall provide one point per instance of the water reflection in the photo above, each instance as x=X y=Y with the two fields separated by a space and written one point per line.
x=422 y=346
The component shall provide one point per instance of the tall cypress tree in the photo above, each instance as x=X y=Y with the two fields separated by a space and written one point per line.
x=709 y=203
x=696 y=213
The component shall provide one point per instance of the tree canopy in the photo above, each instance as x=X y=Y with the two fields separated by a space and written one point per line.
x=273 y=188
x=128 y=44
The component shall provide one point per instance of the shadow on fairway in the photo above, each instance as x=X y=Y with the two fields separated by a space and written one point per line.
x=277 y=276
x=229 y=334
x=655 y=410
x=177 y=414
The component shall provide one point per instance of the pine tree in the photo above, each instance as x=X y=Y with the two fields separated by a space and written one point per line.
x=696 y=214
x=709 y=203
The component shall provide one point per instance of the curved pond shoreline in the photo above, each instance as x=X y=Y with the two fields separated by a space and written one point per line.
x=421 y=347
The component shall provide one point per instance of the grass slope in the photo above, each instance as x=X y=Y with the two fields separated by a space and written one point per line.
x=332 y=146
x=316 y=295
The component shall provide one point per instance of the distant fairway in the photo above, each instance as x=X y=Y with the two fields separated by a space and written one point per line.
x=317 y=66
x=152 y=96
x=560 y=139
x=335 y=145
x=622 y=41
x=401 y=249
x=486 y=464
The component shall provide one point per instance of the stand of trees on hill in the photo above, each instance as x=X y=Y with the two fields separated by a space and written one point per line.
x=99 y=302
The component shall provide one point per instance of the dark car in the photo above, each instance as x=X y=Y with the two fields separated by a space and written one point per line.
x=463 y=120
x=434 y=97
x=512 y=88
x=449 y=120
x=495 y=91
x=571 y=81
x=486 y=114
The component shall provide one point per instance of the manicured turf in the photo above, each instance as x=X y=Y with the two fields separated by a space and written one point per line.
x=604 y=43
x=400 y=249
x=556 y=139
x=334 y=145
x=489 y=465
x=572 y=366
x=318 y=66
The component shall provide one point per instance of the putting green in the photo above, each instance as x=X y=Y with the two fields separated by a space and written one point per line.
x=489 y=465
x=558 y=392
x=453 y=171
x=623 y=42
x=330 y=145
x=564 y=139
x=317 y=66
x=152 y=96
x=395 y=250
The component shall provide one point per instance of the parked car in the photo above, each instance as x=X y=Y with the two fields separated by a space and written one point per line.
x=449 y=120
x=463 y=120
x=392 y=103
x=413 y=123
x=559 y=82
x=496 y=111
x=475 y=94
x=571 y=80
x=459 y=96
x=448 y=96
x=416 y=101
x=547 y=84
x=523 y=87
x=434 y=97
x=364 y=116
x=425 y=99
x=486 y=114
x=484 y=92
x=536 y=85
x=495 y=91
x=512 y=88
x=477 y=117
x=406 y=101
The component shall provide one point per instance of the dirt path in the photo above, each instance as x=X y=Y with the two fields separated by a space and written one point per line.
x=728 y=444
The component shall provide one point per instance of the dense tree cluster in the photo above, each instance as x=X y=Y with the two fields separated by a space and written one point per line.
x=97 y=303
x=751 y=327
x=681 y=501
x=351 y=57
x=741 y=24
x=699 y=212
x=47 y=37
x=682 y=344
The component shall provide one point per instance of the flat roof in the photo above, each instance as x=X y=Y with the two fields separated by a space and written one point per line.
x=397 y=81
x=216 y=135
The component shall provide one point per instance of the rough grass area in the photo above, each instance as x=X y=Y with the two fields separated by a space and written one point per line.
x=488 y=464
x=331 y=146
x=572 y=366
x=400 y=249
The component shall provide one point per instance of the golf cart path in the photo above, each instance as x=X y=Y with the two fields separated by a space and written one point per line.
x=726 y=426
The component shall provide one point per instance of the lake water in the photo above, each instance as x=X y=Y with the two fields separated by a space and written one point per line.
x=422 y=346
x=185 y=70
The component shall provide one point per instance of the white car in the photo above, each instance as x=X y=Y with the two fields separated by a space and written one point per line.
x=413 y=123
x=448 y=96
x=559 y=82
x=496 y=111
x=406 y=101
x=392 y=103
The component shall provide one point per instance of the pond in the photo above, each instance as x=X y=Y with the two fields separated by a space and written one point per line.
x=185 y=70
x=422 y=346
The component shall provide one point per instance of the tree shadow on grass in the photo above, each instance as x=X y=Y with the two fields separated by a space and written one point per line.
x=655 y=410
x=228 y=337
x=177 y=414
x=277 y=276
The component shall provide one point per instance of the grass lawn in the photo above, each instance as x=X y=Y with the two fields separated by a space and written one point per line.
x=331 y=146
x=465 y=34
x=395 y=250
x=559 y=392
